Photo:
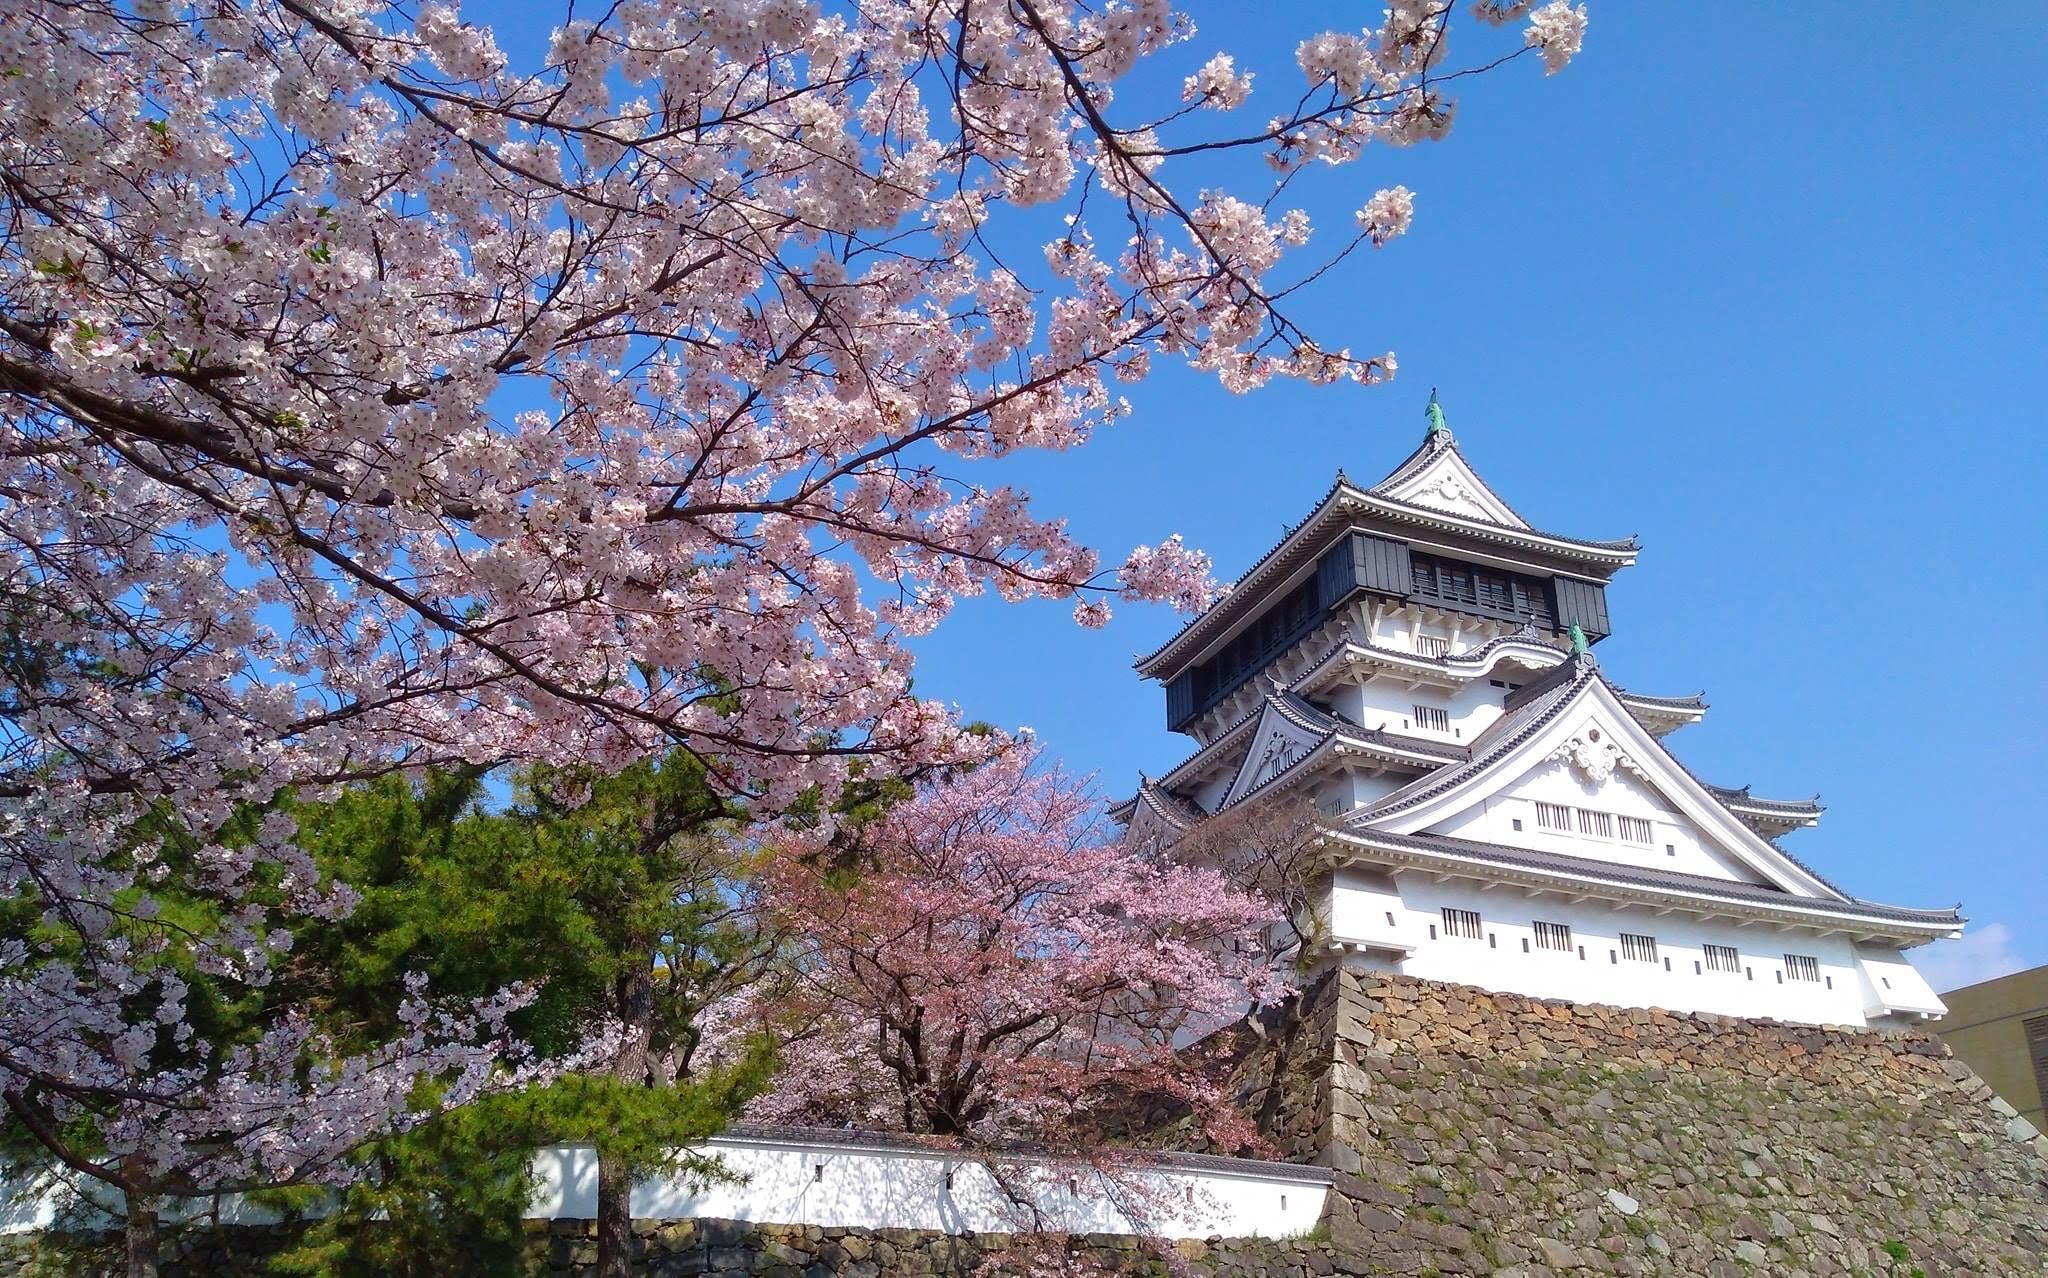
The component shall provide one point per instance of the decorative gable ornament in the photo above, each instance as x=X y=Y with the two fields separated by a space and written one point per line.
x=1450 y=489
x=1279 y=755
x=1594 y=757
x=1281 y=741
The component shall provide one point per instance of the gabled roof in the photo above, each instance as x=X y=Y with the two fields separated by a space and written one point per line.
x=1528 y=710
x=1318 y=727
x=1298 y=709
x=1437 y=475
x=1344 y=504
x=1531 y=726
x=1162 y=803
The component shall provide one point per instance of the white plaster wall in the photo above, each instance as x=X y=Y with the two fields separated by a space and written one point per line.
x=1211 y=792
x=45 y=1201
x=795 y=1182
x=1389 y=703
x=1498 y=960
x=1893 y=991
x=1367 y=907
x=1340 y=794
x=831 y=1184
x=1397 y=627
x=1675 y=844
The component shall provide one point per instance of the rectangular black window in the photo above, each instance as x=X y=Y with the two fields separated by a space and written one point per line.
x=1287 y=622
x=1553 y=936
x=1723 y=958
x=1554 y=816
x=1461 y=923
x=1638 y=949
x=1467 y=587
x=1802 y=967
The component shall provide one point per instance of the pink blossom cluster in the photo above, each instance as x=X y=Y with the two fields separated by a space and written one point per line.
x=987 y=963
x=372 y=403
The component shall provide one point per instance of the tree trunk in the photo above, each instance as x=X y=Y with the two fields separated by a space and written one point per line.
x=141 y=1232
x=635 y=996
x=614 y=1217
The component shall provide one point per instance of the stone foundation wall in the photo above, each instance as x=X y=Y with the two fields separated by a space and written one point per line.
x=1487 y=1133
x=1480 y=1133
x=727 y=1249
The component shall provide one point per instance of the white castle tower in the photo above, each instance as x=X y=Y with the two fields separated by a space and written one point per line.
x=1417 y=659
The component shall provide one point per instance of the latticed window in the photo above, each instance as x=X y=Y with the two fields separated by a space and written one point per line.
x=1723 y=958
x=1638 y=949
x=1553 y=936
x=1634 y=829
x=1470 y=588
x=1802 y=967
x=1599 y=823
x=1433 y=718
x=1280 y=627
x=1433 y=645
x=1461 y=923
x=1554 y=816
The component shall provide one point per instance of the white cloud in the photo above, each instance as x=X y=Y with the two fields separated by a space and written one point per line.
x=1982 y=953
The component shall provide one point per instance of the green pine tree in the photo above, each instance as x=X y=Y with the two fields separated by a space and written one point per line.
x=626 y=897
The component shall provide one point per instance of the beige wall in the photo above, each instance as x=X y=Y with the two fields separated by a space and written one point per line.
x=1986 y=1026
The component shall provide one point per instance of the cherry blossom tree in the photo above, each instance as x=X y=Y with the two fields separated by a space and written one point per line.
x=988 y=963
x=375 y=401
x=1278 y=847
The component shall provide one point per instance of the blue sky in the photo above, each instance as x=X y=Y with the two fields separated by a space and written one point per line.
x=1761 y=284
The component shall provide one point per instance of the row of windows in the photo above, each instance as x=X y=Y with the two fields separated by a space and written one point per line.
x=1281 y=626
x=1499 y=594
x=1635 y=947
x=1560 y=819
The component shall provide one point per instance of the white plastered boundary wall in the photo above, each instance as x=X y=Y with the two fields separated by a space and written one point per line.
x=796 y=1176
x=839 y=1181
x=1859 y=982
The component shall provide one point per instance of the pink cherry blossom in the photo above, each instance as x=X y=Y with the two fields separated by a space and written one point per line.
x=373 y=402
x=1387 y=214
x=987 y=963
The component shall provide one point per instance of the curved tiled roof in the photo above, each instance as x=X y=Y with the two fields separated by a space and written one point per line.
x=1305 y=714
x=1741 y=797
x=1261 y=562
x=1335 y=730
x=1645 y=877
x=1528 y=711
x=1697 y=701
x=1476 y=658
x=1170 y=806
x=1485 y=530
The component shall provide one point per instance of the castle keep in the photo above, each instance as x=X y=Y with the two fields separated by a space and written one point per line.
x=1419 y=660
